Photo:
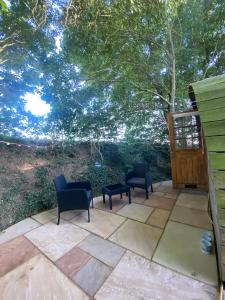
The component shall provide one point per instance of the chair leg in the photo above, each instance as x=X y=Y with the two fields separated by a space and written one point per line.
x=110 y=202
x=88 y=216
x=92 y=202
x=58 y=217
x=152 y=188
x=103 y=197
x=121 y=196
x=129 y=197
x=146 y=193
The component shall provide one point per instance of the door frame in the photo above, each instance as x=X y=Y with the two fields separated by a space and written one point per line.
x=174 y=150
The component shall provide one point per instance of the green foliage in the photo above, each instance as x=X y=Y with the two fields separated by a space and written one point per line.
x=10 y=195
x=41 y=176
x=102 y=176
x=24 y=48
x=118 y=159
x=3 y=6
x=41 y=199
x=40 y=153
x=143 y=54
x=118 y=81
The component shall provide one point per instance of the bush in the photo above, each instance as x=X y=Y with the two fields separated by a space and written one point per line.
x=36 y=201
x=118 y=159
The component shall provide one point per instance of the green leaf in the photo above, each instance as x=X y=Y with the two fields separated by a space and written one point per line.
x=3 y=6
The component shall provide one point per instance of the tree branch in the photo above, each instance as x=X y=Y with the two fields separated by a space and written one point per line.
x=208 y=66
x=152 y=92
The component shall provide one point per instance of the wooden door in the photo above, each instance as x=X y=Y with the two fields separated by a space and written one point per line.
x=188 y=155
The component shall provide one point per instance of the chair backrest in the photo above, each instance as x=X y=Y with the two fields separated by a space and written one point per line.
x=60 y=182
x=141 y=169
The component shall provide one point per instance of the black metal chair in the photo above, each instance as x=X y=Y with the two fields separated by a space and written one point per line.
x=73 y=195
x=140 y=177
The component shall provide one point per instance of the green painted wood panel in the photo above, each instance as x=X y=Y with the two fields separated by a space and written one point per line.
x=219 y=179
x=221 y=213
x=214 y=128
x=213 y=115
x=220 y=197
x=211 y=104
x=208 y=83
x=210 y=97
x=215 y=143
x=211 y=94
x=217 y=161
x=209 y=88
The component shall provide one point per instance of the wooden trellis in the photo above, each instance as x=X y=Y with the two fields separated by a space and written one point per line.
x=188 y=155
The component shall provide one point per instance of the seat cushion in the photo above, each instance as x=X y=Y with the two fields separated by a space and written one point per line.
x=136 y=181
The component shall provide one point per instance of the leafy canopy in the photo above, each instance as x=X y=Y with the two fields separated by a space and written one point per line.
x=120 y=67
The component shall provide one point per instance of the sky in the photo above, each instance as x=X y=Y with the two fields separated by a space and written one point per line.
x=36 y=105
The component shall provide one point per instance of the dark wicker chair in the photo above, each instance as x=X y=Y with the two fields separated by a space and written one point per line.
x=140 y=177
x=73 y=195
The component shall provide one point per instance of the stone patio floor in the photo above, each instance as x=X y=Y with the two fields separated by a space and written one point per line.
x=149 y=249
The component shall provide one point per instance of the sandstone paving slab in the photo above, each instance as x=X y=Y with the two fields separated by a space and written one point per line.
x=138 y=237
x=138 y=200
x=102 y=223
x=55 y=240
x=117 y=203
x=179 y=249
x=159 y=218
x=167 y=189
x=191 y=216
x=138 y=278
x=43 y=217
x=136 y=212
x=53 y=211
x=194 y=191
x=166 y=195
x=138 y=195
x=15 y=252
x=168 y=183
x=92 y=276
x=37 y=279
x=18 y=229
x=107 y=252
x=156 y=185
x=73 y=261
x=66 y=215
x=196 y=201
x=160 y=202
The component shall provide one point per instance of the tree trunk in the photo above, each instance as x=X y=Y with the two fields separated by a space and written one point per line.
x=173 y=69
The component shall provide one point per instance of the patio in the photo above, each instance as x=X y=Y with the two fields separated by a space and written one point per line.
x=149 y=249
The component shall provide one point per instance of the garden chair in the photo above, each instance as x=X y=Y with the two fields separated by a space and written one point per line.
x=73 y=195
x=140 y=177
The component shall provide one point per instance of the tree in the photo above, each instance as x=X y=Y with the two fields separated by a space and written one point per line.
x=145 y=53
x=24 y=47
x=121 y=67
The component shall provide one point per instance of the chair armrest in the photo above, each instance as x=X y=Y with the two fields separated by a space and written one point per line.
x=129 y=175
x=74 y=192
x=148 y=179
x=79 y=185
